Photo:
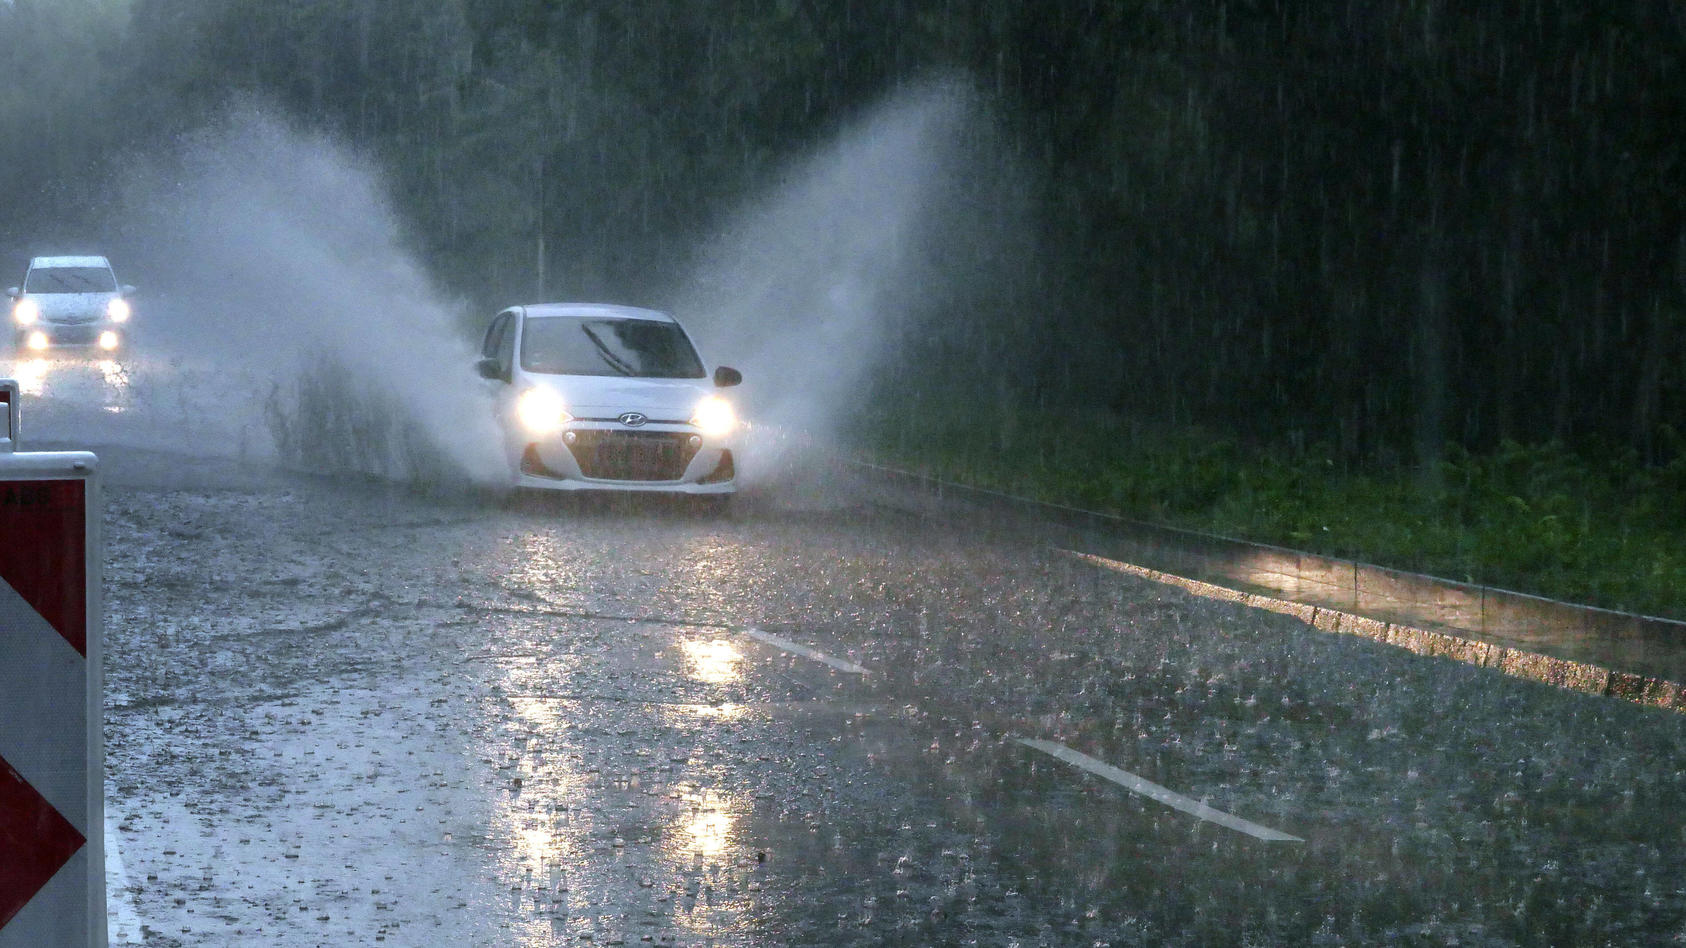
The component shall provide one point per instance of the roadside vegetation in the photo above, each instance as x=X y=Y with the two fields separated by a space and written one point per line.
x=1600 y=529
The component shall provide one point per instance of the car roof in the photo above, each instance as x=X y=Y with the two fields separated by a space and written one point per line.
x=39 y=262
x=596 y=310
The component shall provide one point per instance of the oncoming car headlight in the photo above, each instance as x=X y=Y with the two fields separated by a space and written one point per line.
x=714 y=417
x=541 y=411
x=118 y=310
x=26 y=312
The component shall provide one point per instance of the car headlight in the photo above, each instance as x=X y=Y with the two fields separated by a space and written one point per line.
x=109 y=340
x=541 y=411
x=118 y=310
x=714 y=417
x=26 y=312
x=37 y=341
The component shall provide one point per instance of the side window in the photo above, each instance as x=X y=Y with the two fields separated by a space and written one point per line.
x=494 y=336
x=506 y=346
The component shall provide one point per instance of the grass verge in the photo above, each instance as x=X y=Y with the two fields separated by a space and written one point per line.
x=1603 y=530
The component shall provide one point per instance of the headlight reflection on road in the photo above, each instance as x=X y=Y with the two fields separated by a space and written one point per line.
x=106 y=382
x=709 y=831
x=718 y=712
x=712 y=663
x=598 y=805
x=538 y=788
x=540 y=847
x=699 y=847
x=31 y=375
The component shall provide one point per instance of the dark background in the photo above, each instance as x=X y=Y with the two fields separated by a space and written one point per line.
x=1375 y=227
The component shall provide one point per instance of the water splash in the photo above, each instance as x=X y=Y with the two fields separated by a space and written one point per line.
x=272 y=260
x=893 y=229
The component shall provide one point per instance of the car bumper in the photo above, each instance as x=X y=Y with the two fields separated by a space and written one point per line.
x=608 y=459
x=70 y=335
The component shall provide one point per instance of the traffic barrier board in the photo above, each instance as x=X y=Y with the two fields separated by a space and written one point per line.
x=9 y=406
x=52 y=855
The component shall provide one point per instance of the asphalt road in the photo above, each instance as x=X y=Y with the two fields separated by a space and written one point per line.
x=340 y=713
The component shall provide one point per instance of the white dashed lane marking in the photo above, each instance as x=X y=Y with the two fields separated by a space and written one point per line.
x=804 y=651
x=1123 y=778
x=1148 y=788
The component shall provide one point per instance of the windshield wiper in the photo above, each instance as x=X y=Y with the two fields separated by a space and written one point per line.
x=71 y=283
x=615 y=362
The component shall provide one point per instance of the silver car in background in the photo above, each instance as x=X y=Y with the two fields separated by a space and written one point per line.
x=595 y=396
x=69 y=301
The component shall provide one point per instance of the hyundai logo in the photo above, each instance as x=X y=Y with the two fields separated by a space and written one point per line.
x=634 y=419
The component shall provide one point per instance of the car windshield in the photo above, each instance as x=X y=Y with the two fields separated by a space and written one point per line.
x=640 y=348
x=70 y=280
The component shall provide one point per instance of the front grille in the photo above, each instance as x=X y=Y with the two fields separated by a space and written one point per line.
x=72 y=335
x=632 y=455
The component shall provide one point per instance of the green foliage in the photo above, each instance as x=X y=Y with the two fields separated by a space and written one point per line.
x=1600 y=529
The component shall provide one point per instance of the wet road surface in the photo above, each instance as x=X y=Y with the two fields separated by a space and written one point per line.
x=338 y=714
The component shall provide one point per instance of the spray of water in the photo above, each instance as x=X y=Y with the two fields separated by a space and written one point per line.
x=900 y=225
x=279 y=292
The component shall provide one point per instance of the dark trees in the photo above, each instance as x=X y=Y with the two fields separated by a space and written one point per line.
x=1378 y=227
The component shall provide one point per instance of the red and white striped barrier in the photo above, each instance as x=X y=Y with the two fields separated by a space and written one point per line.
x=52 y=854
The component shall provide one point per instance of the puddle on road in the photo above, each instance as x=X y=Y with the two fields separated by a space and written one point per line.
x=712 y=662
x=582 y=775
x=614 y=816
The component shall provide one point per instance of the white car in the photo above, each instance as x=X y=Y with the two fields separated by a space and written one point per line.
x=69 y=301
x=594 y=396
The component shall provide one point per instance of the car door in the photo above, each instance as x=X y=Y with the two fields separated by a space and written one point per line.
x=499 y=345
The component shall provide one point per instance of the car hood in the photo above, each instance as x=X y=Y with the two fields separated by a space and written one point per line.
x=55 y=306
x=590 y=396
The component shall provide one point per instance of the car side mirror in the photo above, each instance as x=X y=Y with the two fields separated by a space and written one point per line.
x=490 y=369
x=726 y=376
x=126 y=290
x=13 y=292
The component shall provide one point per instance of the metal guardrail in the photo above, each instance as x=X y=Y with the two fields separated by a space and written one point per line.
x=1636 y=656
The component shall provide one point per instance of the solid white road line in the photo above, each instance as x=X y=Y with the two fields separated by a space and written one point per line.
x=804 y=651
x=1148 y=788
x=125 y=925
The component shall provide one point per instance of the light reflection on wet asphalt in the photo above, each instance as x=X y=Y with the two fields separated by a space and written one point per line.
x=142 y=400
x=613 y=779
x=607 y=819
x=338 y=716
x=104 y=384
